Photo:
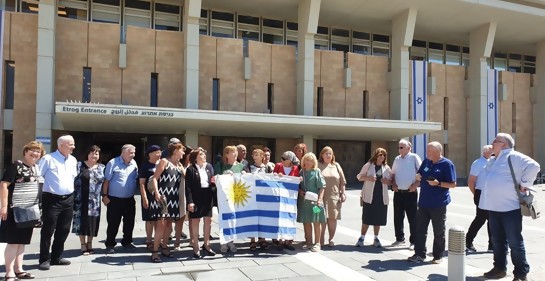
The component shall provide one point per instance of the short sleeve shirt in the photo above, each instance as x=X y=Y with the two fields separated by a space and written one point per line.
x=434 y=196
x=122 y=178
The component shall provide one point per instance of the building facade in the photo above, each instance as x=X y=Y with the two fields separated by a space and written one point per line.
x=272 y=73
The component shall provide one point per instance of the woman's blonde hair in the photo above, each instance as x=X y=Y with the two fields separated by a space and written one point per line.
x=228 y=149
x=260 y=153
x=309 y=157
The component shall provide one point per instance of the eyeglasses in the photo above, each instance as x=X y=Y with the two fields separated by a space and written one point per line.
x=382 y=155
x=498 y=141
x=401 y=147
x=35 y=151
x=283 y=158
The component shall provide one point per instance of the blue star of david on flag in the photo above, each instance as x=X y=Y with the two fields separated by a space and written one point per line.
x=491 y=105
x=419 y=100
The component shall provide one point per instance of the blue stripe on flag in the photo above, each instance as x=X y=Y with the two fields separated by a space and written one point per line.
x=280 y=199
x=286 y=185
x=260 y=213
x=260 y=228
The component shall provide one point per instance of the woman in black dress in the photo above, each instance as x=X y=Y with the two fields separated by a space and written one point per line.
x=376 y=177
x=87 y=199
x=166 y=183
x=19 y=188
x=199 y=198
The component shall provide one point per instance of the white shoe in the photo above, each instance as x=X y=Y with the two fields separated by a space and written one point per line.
x=376 y=243
x=223 y=248
x=232 y=247
x=411 y=247
x=315 y=248
x=359 y=243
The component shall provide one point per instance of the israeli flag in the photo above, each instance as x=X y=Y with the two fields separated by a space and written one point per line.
x=491 y=105
x=419 y=112
x=257 y=205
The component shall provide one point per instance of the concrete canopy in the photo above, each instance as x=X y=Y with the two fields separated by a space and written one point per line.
x=135 y=119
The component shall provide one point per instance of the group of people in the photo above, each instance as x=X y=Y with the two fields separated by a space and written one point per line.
x=178 y=182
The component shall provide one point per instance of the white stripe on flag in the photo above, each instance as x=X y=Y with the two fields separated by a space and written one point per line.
x=491 y=105
x=419 y=75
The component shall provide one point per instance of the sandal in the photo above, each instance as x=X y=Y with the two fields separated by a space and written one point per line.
x=263 y=244
x=10 y=278
x=149 y=246
x=155 y=259
x=22 y=275
x=90 y=250
x=253 y=246
x=86 y=251
x=166 y=254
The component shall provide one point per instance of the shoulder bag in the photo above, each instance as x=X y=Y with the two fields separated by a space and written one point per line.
x=528 y=204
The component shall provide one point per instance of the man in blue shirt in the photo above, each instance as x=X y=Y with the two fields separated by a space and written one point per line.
x=59 y=170
x=436 y=175
x=118 y=191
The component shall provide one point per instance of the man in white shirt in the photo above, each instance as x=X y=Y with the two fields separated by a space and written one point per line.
x=501 y=200
x=475 y=182
x=404 y=184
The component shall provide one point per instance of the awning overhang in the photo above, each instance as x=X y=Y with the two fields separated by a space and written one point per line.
x=85 y=117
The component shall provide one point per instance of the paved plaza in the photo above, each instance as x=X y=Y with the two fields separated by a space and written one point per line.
x=342 y=262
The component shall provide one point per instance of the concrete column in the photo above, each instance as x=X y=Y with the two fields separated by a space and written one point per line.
x=402 y=39
x=192 y=13
x=309 y=141
x=539 y=105
x=192 y=138
x=480 y=45
x=45 y=82
x=308 y=13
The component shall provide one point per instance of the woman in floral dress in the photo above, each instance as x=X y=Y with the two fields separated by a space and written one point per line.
x=87 y=190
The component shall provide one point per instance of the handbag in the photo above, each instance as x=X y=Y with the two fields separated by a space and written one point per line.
x=26 y=217
x=528 y=204
x=309 y=195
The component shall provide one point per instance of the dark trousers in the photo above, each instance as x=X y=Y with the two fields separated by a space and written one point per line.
x=117 y=209
x=438 y=217
x=507 y=230
x=405 y=203
x=481 y=216
x=57 y=212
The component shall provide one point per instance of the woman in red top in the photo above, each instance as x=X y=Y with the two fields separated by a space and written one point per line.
x=288 y=167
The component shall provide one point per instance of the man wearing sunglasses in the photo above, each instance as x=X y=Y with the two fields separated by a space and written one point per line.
x=404 y=184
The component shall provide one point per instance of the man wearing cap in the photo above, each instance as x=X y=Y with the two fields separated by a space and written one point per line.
x=147 y=169
x=118 y=191
x=170 y=142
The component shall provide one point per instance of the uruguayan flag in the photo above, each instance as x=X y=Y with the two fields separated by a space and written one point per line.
x=257 y=205
x=419 y=102
x=491 y=105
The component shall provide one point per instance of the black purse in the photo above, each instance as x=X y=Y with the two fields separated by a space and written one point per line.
x=26 y=217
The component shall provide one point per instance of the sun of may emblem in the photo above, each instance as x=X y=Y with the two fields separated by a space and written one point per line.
x=239 y=193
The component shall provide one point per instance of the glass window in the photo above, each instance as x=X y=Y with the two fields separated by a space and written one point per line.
x=74 y=9
x=203 y=23
x=248 y=28
x=222 y=24
x=381 y=45
x=270 y=97
x=529 y=64
x=154 y=98
x=465 y=56
x=515 y=63
x=11 y=5
x=86 y=86
x=453 y=55
x=167 y=17
x=340 y=40
x=321 y=39
x=273 y=31
x=291 y=33
x=106 y=11
x=500 y=61
x=9 y=85
x=320 y=102
x=215 y=94
x=29 y=6
x=436 y=52
x=361 y=43
x=138 y=13
x=418 y=50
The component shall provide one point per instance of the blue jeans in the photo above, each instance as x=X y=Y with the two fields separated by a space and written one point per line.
x=506 y=228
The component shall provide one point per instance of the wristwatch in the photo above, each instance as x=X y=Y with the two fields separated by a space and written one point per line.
x=104 y=194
